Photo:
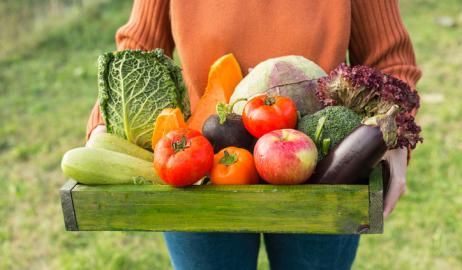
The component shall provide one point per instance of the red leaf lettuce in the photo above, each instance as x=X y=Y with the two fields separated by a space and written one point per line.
x=369 y=92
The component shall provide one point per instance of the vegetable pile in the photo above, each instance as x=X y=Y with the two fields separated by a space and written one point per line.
x=286 y=122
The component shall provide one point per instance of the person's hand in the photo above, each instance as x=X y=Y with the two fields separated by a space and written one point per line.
x=397 y=160
x=96 y=130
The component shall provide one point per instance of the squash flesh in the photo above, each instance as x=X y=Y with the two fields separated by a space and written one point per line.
x=224 y=75
x=169 y=119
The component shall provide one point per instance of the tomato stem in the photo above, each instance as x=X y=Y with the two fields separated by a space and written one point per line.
x=269 y=101
x=228 y=159
x=181 y=144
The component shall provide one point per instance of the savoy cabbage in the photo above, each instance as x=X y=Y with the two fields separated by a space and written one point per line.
x=134 y=87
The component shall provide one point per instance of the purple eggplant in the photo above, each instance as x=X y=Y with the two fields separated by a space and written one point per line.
x=227 y=129
x=352 y=161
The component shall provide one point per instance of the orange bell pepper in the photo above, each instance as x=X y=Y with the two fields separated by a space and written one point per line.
x=234 y=166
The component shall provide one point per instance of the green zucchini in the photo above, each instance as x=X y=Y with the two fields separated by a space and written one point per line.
x=114 y=143
x=94 y=166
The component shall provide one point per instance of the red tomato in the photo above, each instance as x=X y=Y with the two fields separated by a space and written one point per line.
x=183 y=157
x=263 y=114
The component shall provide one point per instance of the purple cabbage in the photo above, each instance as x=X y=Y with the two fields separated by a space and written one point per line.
x=287 y=80
x=292 y=76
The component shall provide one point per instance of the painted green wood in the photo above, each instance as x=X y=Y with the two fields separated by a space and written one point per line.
x=67 y=204
x=376 y=201
x=330 y=209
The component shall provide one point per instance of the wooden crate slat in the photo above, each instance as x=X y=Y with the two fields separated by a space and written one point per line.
x=258 y=208
x=376 y=201
x=67 y=204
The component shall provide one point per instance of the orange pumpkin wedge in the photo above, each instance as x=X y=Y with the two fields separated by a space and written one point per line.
x=224 y=75
x=168 y=120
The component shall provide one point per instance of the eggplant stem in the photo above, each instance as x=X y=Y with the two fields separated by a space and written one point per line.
x=223 y=109
x=231 y=106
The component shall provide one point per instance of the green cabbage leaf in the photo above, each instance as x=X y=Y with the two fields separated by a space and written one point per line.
x=134 y=87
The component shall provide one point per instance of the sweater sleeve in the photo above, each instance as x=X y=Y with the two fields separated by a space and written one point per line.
x=379 y=39
x=148 y=28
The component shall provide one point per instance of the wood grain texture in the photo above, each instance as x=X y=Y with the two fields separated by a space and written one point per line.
x=328 y=209
x=67 y=204
x=376 y=201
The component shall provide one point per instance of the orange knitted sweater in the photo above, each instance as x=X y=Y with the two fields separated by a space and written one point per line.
x=253 y=30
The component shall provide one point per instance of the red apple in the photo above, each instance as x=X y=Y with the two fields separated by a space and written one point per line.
x=285 y=157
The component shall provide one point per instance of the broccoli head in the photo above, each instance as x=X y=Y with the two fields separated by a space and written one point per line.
x=329 y=126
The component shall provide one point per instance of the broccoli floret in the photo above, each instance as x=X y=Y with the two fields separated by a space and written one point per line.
x=335 y=123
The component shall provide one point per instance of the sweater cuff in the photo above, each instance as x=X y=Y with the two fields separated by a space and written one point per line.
x=94 y=120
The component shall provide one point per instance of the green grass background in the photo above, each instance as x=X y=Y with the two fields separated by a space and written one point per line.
x=48 y=86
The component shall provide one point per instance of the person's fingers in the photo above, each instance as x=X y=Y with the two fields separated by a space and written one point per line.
x=397 y=188
x=96 y=130
x=397 y=163
x=99 y=129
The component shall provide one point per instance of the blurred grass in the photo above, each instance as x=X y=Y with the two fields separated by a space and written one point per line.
x=48 y=87
x=25 y=21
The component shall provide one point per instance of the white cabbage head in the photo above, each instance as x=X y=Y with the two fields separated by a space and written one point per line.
x=293 y=76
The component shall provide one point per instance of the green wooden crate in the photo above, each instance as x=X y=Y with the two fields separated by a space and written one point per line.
x=325 y=209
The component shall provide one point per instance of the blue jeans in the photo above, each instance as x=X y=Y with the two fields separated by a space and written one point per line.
x=222 y=251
